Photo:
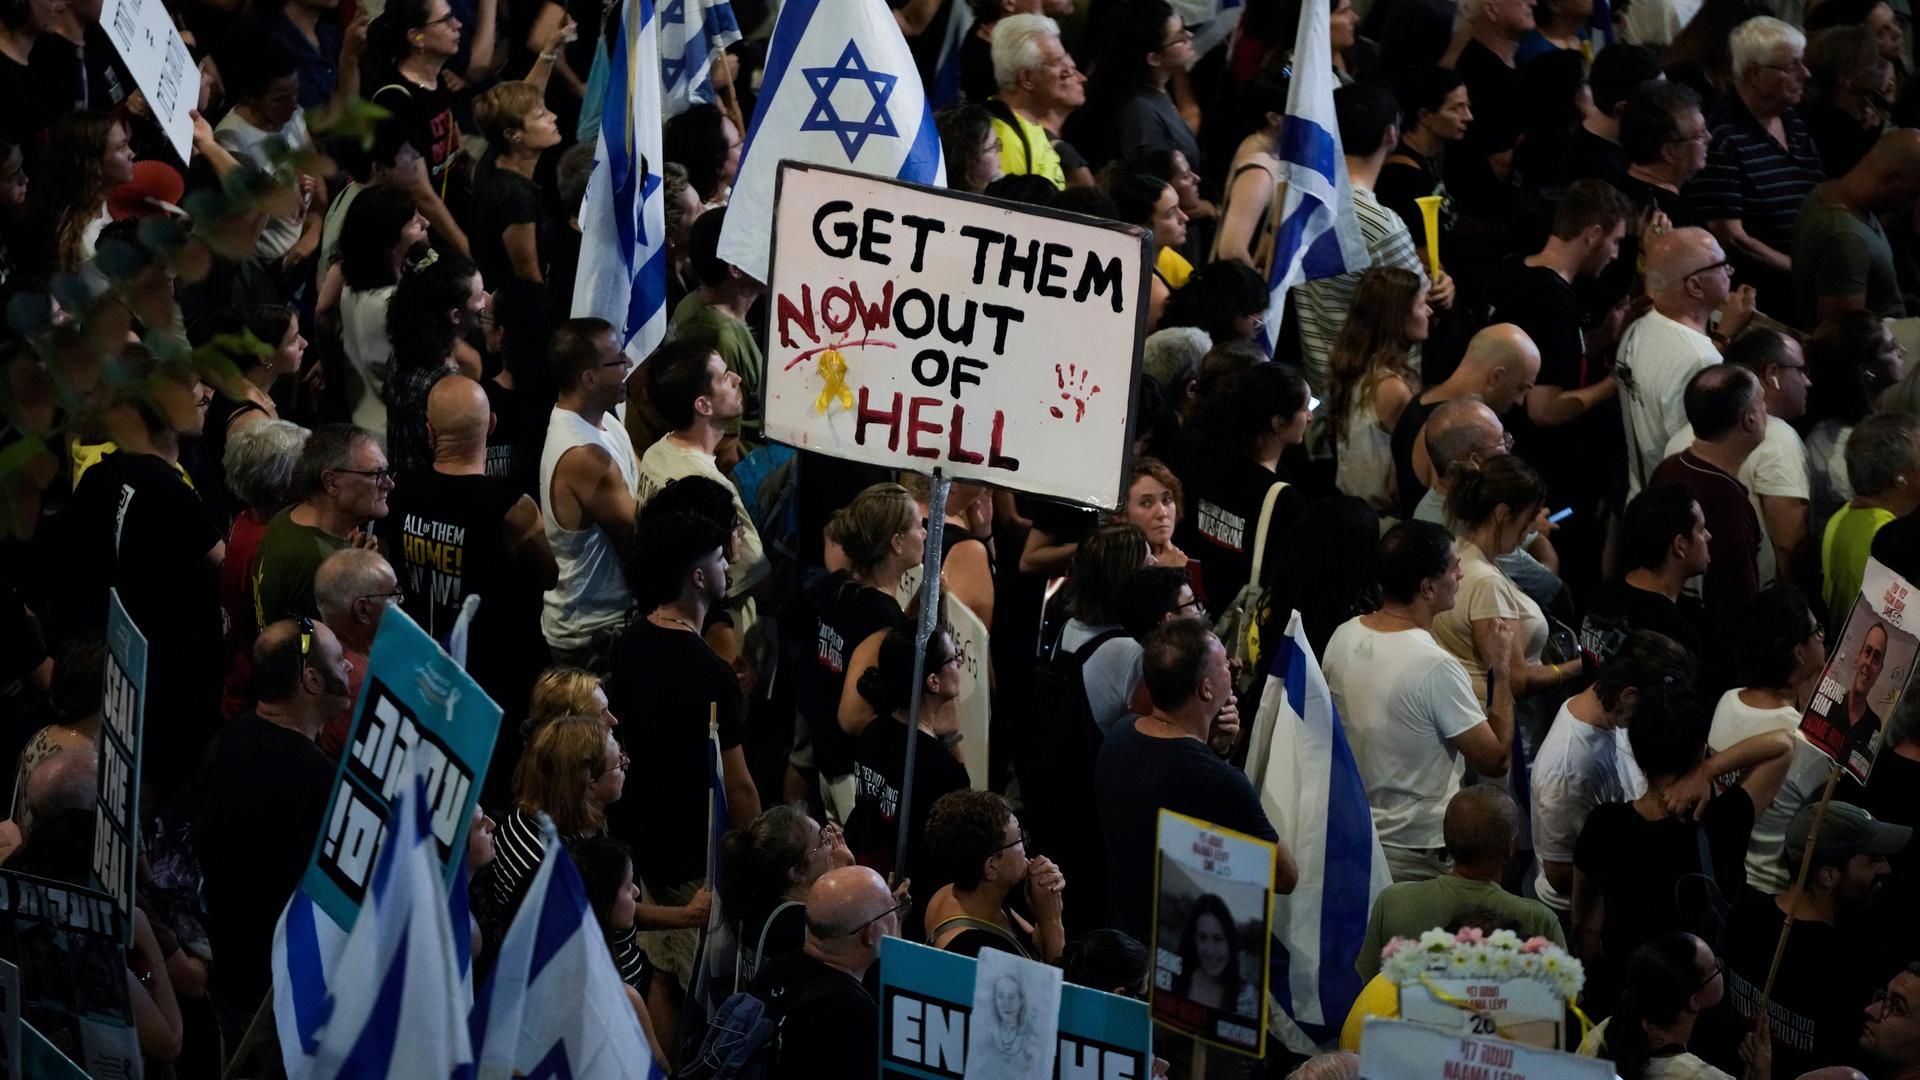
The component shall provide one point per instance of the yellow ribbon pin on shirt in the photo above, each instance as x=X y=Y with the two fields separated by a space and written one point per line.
x=833 y=368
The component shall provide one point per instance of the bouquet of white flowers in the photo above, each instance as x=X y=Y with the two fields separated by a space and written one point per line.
x=1473 y=954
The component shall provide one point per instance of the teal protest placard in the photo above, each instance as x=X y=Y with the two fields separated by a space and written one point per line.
x=926 y=1002
x=415 y=700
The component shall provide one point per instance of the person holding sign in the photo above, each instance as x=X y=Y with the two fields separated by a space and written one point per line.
x=1170 y=759
x=260 y=802
x=976 y=834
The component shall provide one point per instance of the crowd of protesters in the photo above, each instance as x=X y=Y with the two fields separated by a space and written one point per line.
x=1572 y=488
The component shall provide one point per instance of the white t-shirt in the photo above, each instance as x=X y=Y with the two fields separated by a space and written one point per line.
x=1657 y=358
x=1777 y=468
x=1734 y=720
x=254 y=146
x=1402 y=698
x=363 y=337
x=1578 y=767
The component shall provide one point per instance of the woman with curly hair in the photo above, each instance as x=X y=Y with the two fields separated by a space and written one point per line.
x=1371 y=377
x=979 y=842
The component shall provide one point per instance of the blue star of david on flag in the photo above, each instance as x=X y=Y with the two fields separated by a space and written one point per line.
x=674 y=12
x=851 y=67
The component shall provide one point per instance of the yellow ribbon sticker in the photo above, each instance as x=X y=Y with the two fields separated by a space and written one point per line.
x=833 y=368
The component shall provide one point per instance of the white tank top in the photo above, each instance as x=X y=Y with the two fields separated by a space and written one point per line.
x=592 y=594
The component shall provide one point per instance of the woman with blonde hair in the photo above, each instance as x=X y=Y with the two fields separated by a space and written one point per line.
x=511 y=229
x=873 y=540
x=567 y=691
x=1371 y=377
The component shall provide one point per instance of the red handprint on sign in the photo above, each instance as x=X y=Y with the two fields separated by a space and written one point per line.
x=1073 y=387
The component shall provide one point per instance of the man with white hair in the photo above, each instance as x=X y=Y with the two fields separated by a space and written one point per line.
x=1038 y=84
x=354 y=587
x=1763 y=160
x=1689 y=277
x=977 y=81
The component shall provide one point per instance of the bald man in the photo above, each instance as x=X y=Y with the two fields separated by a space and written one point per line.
x=1689 y=278
x=1464 y=429
x=1500 y=365
x=452 y=532
x=830 y=1025
x=1483 y=830
x=1841 y=259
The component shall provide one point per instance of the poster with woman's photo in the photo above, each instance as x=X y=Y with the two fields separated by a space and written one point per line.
x=1867 y=670
x=1212 y=913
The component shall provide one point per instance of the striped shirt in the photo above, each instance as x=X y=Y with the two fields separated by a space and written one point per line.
x=518 y=849
x=1323 y=304
x=1754 y=180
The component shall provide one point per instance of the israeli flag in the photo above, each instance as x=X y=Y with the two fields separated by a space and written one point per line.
x=403 y=1006
x=840 y=89
x=307 y=947
x=691 y=32
x=1310 y=788
x=1317 y=235
x=622 y=276
x=718 y=951
x=554 y=1005
x=947 y=91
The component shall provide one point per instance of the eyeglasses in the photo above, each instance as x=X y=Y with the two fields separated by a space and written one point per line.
x=1819 y=634
x=959 y=656
x=829 y=836
x=1726 y=264
x=1023 y=841
x=622 y=763
x=1719 y=969
x=306 y=637
x=1797 y=65
x=394 y=598
x=901 y=908
x=1194 y=606
x=1185 y=35
x=378 y=476
x=447 y=18
x=1703 y=135
x=1890 y=1004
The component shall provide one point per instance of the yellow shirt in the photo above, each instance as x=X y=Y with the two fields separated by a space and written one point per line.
x=1843 y=554
x=1174 y=268
x=1014 y=145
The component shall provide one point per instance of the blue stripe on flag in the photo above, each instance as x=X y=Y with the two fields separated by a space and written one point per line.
x=923 y=160
x=559 y=916
x=312 y=1005
x=787 y=33
x=1324 y=258
x=1346 y=900
x=372 y=1053
x=1304 y=142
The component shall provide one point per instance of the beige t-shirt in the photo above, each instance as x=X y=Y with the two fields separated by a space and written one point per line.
x=1486 y=593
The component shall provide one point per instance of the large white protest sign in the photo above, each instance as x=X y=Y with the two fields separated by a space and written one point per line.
x=158 y=60
x=916 y=328
x=1400 y=1050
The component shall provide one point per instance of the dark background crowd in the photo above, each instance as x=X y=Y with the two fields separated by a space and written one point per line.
x=1572 y=489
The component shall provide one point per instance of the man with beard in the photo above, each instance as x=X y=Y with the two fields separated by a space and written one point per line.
x=259 y=804
x=1830 y=969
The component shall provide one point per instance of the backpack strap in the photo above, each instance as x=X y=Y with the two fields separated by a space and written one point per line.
x=971 y=923
x=1092 y=645
x=1003 y=112
x=1260 y=531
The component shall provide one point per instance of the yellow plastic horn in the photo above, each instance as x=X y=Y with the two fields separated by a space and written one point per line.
x=1430 y=216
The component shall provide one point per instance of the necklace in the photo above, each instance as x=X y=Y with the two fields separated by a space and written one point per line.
x=664 y=616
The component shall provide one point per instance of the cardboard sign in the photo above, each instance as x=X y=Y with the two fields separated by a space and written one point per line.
x=1399 y=1050
x=1212 y=916
x=67 y=943
x=915 y=328
x=116 y=828
x=157 y=58
x=1867 y=670
x=1521 y=1010
x=415 y=700
x=926 y=1006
